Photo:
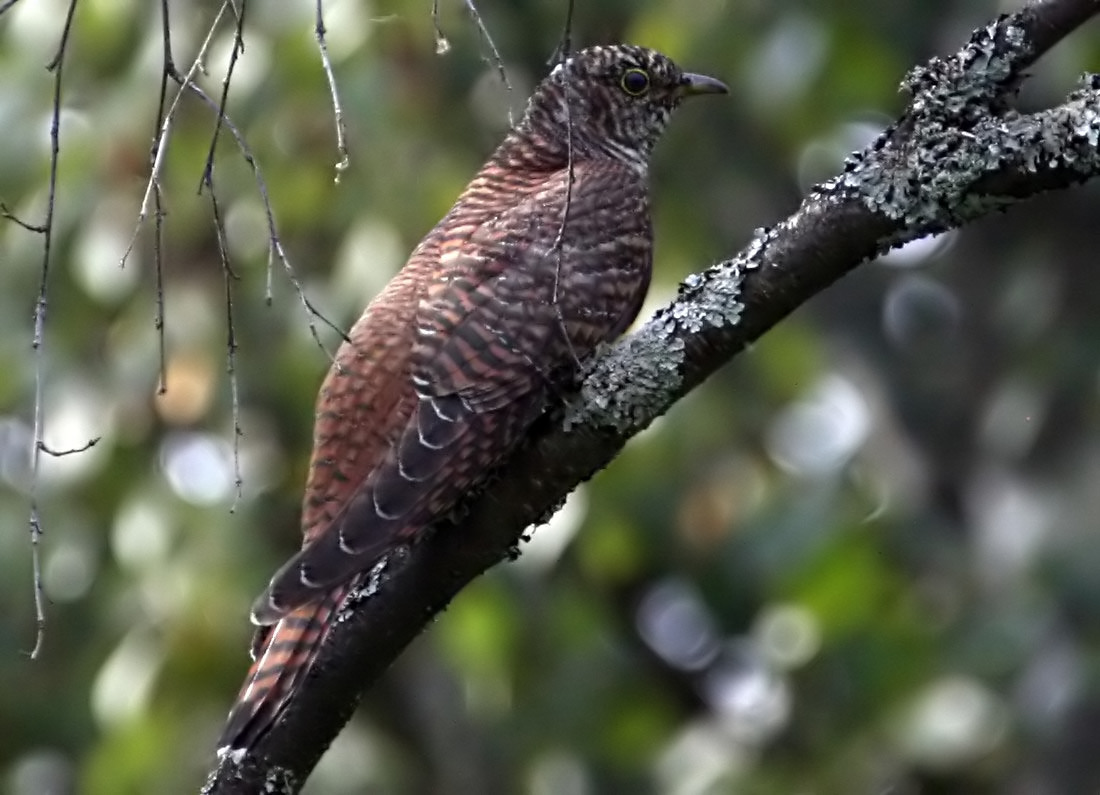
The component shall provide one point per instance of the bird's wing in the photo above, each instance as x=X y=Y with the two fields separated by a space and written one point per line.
x=425 y=444
x=365 y=399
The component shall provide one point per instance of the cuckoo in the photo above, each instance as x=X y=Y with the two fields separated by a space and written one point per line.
x=546 y=254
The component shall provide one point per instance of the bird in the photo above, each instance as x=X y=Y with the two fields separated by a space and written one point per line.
x=545 y=256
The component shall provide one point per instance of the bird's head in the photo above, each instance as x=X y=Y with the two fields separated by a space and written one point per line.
x=612 y=101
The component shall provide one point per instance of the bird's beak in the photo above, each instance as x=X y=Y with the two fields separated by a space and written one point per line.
x=692 y=84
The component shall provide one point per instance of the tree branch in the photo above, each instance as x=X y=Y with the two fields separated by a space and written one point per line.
x=959 y=152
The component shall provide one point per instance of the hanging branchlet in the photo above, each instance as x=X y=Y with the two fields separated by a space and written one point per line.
x=38 y=341
x=337 y=110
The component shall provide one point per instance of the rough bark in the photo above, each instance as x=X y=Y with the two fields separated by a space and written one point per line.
x=959 y=151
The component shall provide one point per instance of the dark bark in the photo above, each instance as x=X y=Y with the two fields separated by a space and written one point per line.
x=959 y=152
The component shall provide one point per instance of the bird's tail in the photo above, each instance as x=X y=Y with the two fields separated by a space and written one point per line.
x=282 y=656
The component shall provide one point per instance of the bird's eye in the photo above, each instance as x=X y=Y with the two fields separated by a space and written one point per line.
x=635 y=82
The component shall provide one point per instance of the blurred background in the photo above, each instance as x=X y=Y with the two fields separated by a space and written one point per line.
x=863 y=558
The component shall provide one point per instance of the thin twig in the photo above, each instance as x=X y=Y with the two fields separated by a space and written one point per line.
x=7 y=4
x=88 y=445
x=559 y=240
x=158 y=270
x=442 y=45
x=275 y=246
x=493 y=58
x=562 y=53
x=565 y=44
x=38 y=344
x=7 y=214
x=337 y=110
x=229 y=276
x=168 y=67
x=160 y=143
x=235 y=53
x=153 y=190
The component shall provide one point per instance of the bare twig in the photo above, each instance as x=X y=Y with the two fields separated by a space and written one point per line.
x=230 y=339
x=493 y=58
x=565 y=44
x=442 y=45
x=56 y=65
x=228 y=275
x=88 y=445
x=158 y=270
x=275 y=246
x=337 y=110
x=558 y=246
x=39 y=591
x=160 y=143
x=238 y=49
x=8 y=215
x=168 y=68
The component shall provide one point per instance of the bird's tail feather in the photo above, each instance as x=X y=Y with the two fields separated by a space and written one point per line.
x=283 y=656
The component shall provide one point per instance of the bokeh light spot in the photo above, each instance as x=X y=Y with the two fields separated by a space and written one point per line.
x=198 y=467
